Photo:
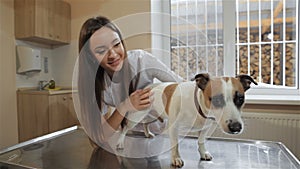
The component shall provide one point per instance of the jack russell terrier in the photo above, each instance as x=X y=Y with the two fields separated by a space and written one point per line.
x=219 y=99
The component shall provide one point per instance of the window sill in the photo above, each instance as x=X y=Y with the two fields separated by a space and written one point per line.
x=273 y=99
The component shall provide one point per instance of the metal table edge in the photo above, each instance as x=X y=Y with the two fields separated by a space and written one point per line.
x=40 y=139
x=74 y=128
x=294 y=159
x=16 y=165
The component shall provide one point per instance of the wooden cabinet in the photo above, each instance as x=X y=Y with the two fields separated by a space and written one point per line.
x=61 y=112
x=43 y=21
x=40 y=113
x=32 y=116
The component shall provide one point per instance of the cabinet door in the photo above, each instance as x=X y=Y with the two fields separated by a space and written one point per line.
x=73 y=115
x=43 y=19
x=24 y=18
x=62 y=22
x=32 y=116
x=53 y=20
x=60 y=114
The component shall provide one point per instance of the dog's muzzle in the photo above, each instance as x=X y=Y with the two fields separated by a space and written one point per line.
x=235 y=127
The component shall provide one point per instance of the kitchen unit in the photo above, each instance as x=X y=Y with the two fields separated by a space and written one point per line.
x=43 y=21
x=46 y=23
x=43 y=112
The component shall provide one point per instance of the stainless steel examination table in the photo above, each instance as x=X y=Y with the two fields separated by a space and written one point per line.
x=70 y=149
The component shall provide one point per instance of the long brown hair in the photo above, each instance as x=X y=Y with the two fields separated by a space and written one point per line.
x=87 y=58
x=91 y=78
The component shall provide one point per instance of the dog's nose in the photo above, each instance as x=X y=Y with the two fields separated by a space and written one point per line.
x=235 y=127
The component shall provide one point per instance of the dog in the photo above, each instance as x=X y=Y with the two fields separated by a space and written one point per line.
x=190 y=104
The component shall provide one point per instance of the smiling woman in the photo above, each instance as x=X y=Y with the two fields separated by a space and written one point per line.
x=111 y=76
x=110 y=55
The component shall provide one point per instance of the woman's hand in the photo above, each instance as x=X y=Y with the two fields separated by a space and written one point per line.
x=138 y=100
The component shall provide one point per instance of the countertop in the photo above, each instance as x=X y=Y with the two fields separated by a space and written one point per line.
x=32 y=90
x=70 y=148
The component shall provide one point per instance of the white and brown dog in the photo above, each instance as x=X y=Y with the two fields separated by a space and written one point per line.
x=185 y=106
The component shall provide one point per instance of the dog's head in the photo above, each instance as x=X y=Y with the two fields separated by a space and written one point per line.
x=223 y=98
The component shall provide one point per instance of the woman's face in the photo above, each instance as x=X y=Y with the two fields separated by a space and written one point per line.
x=108 y=49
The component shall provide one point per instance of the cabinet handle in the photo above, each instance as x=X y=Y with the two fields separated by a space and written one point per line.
x=65 y=98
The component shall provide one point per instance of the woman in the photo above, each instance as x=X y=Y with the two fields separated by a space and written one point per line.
x=111 y=76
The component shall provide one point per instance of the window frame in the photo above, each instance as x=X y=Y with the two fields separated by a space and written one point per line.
x=256 y=94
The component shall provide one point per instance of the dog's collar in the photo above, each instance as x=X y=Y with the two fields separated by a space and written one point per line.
x=198 y=105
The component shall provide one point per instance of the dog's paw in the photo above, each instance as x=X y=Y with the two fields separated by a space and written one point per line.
x=177 y=162
x=206 y=157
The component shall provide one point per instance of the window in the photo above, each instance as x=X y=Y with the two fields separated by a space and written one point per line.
x=196 y=37
x=265 y=41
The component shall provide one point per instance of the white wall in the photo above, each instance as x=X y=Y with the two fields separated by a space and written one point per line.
x=63 y=61
x=8 y=103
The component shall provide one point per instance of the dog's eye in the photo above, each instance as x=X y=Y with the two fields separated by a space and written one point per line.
x=239 y=99
x=218 y=101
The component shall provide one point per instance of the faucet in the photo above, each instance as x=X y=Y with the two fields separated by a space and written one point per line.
x=41 y=84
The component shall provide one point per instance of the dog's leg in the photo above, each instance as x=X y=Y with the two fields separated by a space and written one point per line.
x=147 y=132
x=120 y=143
x=133 y=119
x=176 y=160
x=205 y=155
x=126 y=128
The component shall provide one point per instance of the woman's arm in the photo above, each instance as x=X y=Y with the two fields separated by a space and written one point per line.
x=138 y=100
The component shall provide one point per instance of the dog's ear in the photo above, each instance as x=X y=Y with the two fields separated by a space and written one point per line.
x=201 y=80
x=246 y=81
